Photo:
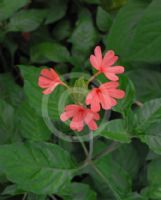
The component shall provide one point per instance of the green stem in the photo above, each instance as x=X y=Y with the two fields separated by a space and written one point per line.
x=106 y=151
x=24 y=197
x=93 y=77
x=90 y=145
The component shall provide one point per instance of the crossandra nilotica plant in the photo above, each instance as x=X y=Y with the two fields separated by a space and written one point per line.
x=102 y=97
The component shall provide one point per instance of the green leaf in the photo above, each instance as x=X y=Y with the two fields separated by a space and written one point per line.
x=10 y=91
x=148 y=124
x=39 y=102
x=154 y=179
x=148 y=115
x=26 y=20
x=62 y=30
x=56 y=10
x=83 y=38
x=115 y=130
x=145 y=46
x=7 y=125
x=36 y=197
x=12 y=190
x=41 y=168
x=103 y=20
x=115 y=171
x=81 y=191
x=113 y=4
x=150 y=84
x=49 y=51
x=8 y=8
x=123 y=28
x=30 y=124
x=124 y=105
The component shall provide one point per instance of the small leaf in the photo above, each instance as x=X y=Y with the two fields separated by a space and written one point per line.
x=103 y=20
x=56 y=10
x=8 y=8
x=34 y=95
x=49 y=51
x=114 y=130
x=26 y=20
x=113 y=4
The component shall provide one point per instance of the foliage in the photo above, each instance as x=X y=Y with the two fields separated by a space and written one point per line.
x=121 y=161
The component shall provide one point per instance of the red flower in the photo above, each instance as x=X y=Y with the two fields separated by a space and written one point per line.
x=80 y=116
x=104 y=95
x=49 y=79
x=105 y=65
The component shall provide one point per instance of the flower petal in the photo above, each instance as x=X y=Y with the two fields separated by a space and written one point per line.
x=111 y=76
x=109 y=59
x=116 y=93
x=116 y=69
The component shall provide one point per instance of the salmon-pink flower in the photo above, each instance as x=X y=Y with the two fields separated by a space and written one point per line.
x=105 y=65
x=80 y=116
x=104 y=96
x=49 y=79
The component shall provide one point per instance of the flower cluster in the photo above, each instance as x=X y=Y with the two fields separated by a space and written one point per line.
x=104 y=96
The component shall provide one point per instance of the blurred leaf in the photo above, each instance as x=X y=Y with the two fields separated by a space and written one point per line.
x=154 y=180
x=103 y=20
x=115 y=130
x=145 y=46
x=41 y=168
x=83 y=38
x=8 y=8
x=56 y=10
x=81 y=191
x=91 y=1
x=116 y=171
x=80 y=90
x=49 y=51
x=26 y=20
x=7 y=122
x=12 y=190
x=150 y=84
x=40 y=103
x=36 y=197
x=10 y=91
x=148 y=124
x=121 y=34
x=113 y=4
x=31 y=125
x=62 y=30
x=124 y=105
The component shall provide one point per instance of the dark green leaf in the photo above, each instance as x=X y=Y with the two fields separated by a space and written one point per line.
x=40 y=103
x=7 y=7
x=10 y=91
x=103 y=20
x=123 y=28
x=26 y=20
x=145 y=46
x=49 y=51
x=56 y=10
x=41 y=168
x=150 y=84
x=115 y=130
x=62 y=30
x=113 y=4
x=30 y=124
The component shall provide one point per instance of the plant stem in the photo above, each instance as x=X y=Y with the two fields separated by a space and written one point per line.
x=138 y=103
x=108 y=150
x=83 y=146
x=90 y=145
x=93 y=77
x=53 y=197
x=24 y=197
